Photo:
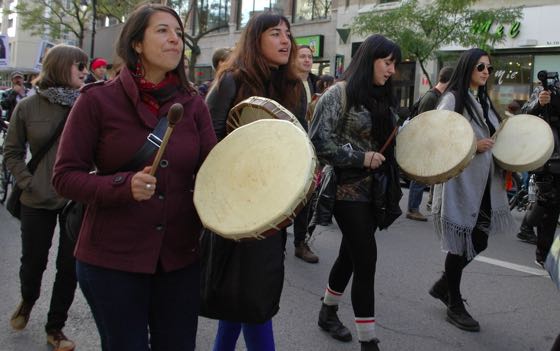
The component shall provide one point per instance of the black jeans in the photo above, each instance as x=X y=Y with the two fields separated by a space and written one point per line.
x=357 y=255
x=549 y=202
x=37 y=231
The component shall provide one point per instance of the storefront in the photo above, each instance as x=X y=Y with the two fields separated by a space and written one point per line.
x=530 y=47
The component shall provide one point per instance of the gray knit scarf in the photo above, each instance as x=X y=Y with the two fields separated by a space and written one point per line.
x=456 y=203
x=59 y=95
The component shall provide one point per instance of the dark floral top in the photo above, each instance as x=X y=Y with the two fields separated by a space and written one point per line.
x=342 y=143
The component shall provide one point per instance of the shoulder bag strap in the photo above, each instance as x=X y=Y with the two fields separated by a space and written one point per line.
x=32 y=165
x=153 y=142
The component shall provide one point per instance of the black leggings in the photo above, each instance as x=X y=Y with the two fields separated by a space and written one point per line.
x=454 y=264
x=357 y=254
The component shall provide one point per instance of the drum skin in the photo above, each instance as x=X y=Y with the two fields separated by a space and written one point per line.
x=435 y=146
x=255 y=180
x=524 y=143
x=255 y=108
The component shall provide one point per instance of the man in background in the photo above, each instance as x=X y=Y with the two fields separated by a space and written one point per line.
x=15 y=94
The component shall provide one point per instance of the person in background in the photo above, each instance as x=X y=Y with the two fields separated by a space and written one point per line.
x=323 y=83
x=261 y=64
x=137 y=252
x=97 y=69
x=15 y=94
x=545 y=212
x=219 y=57
x=346 y=135
x=427 y=102
x=34 y=121
x=303 y=64
x=473 y=205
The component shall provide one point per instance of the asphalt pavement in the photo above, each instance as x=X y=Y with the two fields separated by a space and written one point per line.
x=516 y=303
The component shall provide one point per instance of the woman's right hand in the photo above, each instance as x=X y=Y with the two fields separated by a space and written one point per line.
x=483 y=145
x=373 y=160
x=143 y=185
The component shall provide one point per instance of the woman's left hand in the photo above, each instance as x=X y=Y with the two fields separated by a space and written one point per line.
x=484 y=145
x=143 y=185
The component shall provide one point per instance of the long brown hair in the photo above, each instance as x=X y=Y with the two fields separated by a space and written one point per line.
x=133 y=33
x=252 y=72
x=57 y=64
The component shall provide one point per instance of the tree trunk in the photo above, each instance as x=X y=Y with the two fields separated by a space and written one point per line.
x=421 y=62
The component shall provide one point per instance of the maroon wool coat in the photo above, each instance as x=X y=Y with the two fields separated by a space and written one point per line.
x=105 y=128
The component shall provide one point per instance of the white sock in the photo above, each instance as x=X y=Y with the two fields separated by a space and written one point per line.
x=365 y=327
x=332 y=298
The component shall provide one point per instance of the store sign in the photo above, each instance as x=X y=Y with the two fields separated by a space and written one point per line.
x=500 y=30
x=502 y=74
x=315 y=43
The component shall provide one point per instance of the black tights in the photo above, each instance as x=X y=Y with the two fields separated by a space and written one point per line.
x=454 y=264
x=357 y=255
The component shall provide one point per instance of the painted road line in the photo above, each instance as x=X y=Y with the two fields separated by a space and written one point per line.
x=512 y=266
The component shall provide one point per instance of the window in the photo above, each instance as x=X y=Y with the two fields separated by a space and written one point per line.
x=214 y=13
x=249 y=8
x=309 y=10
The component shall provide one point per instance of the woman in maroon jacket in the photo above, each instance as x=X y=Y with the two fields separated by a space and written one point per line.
x=137 y=252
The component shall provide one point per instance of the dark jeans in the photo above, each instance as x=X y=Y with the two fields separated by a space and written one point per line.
x=415 y=192
x=37 y=231
x=258 y=337
x=141 y=312
x=300 y=224
x=357 y=255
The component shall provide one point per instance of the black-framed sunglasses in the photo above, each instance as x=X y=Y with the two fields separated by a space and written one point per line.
x=480 y=67
x=81 y=66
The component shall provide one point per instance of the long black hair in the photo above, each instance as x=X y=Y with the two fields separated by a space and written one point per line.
x=360 y=87
x=460 y=82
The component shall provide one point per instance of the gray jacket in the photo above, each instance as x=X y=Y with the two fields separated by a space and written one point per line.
x=33 y=123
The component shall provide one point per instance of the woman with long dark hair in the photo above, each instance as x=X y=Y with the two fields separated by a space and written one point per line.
x=346 y=136
x=137 y=252
x=261 y=64
x=474 y=204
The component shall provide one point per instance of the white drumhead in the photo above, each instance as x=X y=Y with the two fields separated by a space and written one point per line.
x=524 y=143
x=254 y=179
x=435 y=146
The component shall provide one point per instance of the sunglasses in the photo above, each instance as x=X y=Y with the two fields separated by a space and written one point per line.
x=480 y=67
x=81 y=66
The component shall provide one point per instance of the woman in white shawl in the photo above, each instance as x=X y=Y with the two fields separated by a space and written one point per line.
x=474 y=204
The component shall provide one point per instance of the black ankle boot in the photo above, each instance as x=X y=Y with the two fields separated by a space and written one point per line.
x=440 y=290
x=458 y=316
x=329 y=322
x=370 y=345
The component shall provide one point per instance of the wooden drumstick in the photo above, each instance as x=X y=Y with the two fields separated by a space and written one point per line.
x=173 y=117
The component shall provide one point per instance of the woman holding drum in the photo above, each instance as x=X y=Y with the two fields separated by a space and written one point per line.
x=346 y=135
x=262 y=64
x=137 y=253
x=474 y=204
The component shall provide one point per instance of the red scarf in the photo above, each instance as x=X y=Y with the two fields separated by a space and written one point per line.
x=155 y=95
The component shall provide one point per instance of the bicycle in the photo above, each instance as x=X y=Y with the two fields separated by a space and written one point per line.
x=6 y=179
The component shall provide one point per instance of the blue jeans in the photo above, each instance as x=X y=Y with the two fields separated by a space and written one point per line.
x=141 y=312
x=415 y=192
x=258 y=337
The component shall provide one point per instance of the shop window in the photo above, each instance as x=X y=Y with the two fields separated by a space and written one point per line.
x=249 y=8
x=309 y=10
x=214 y=13
x=511 y=80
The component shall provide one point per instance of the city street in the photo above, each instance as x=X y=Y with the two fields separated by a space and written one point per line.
x=516 y=303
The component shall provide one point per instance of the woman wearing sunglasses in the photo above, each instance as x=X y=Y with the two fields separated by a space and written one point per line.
x=474 y=204
x=35 y=122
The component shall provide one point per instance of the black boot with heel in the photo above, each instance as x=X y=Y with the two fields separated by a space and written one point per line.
x=329 y=322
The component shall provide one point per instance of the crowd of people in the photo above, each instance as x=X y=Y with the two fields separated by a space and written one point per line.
x=140 y=231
